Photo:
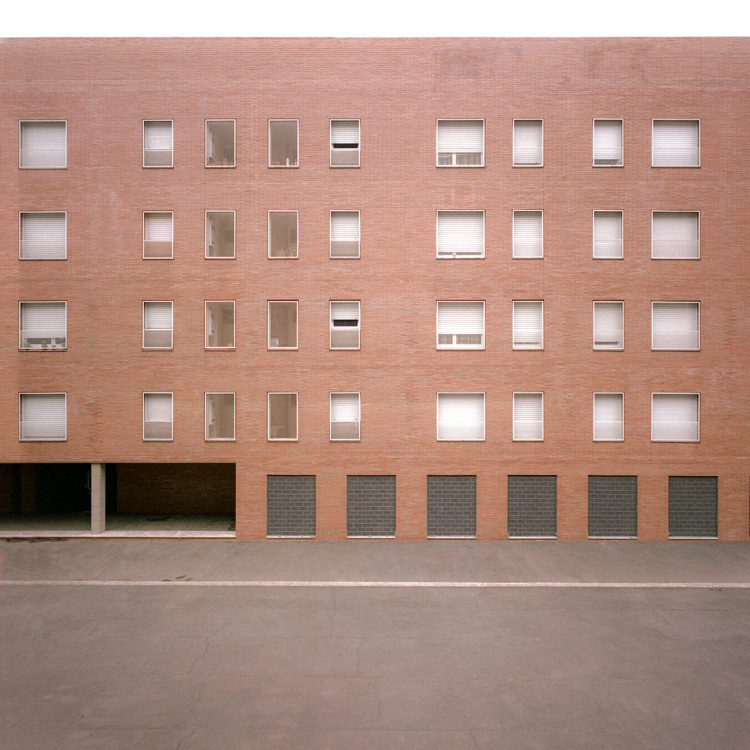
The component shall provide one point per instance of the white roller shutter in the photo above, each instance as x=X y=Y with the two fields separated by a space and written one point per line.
x=345 y=132
x=345 y=311
x=608 y=423
x=157 y=407
x=674 y=416
x=345 y=407
x=528 y=240
x=460 y=233
x=608 y=325
x=43 y=320
x=158 y=227
x=460 y=136
x=43 y=416
x=675 y=234
x=675 y=143
x=528 y=142
x=43 y=144
x=528 y=324
x=460 y=317
x=674 y=325
x=345 y=226
x=157 y=135
x=528 y=416
x=608 y=234
x=157 y=315
x=607 y=142
x=43 y=236
x=460 y=416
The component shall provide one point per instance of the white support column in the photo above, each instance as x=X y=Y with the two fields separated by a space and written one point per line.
x=98 y=498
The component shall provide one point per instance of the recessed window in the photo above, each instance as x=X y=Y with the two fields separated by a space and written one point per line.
x=43 y=235
x=675 y=143
x=608 y=234
x=528 y=416
x=460 y=234
x=283 y=143
x=345 y=325
x=460 y=143
x=43 y=325
x=608 y=143
x=675 y=325
x=43 y=144
x=282 y=324
x=608 y=416
x=345 y=416
x=283 y=234
x=344 y=143
x=460 y=416
x=220 y=234
x=219 y=324
x=157 y=324
x=282 y=416
x=157 y=234
x=157 y=143
x=528 y=324
x=220 y=143
x=157 y=416
x=42 y=416
x=345 y=234
x=675 y=235
x=674 y=417
x=528 y=143
x=460 y=325
x=219 y=416
x=608 y=325
x=528 y=234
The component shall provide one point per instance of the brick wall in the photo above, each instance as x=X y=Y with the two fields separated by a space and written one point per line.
x=532 y=506
x=613 y=506
x=290 y=502
x=370 y=505
x=692 y=506
x=451 y=506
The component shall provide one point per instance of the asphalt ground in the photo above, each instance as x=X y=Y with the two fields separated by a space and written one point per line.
x=196 y=645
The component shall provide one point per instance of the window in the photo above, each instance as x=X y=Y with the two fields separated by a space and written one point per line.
x=674 y=417
x=219 y=324
x=345 y=416
x=608 y=234
x=608 y=419
x=460 y=234
x=608 y=325
x=42 y=416
x=460 y=416
x=282 y=325
x=220 y=234
x=460 y=143
x=528 y=143
x=157 y=143
x=608 y=143
x=675 y=143
x=675 y=234
x=528 y=416
x=345 y=325
x=219 y=416
x=283 y=143
x=460 y=325
x=283 y=230
x=157 y=325
x=43 y=325
x=345 y=234
x=528 y=234
x=282 y=416
x=157 y=416
x=43 y=144
x=675 y=325
x=157 y=234
x=43 y=236
x=528 y=325
x=220 y=143
x=344 y=143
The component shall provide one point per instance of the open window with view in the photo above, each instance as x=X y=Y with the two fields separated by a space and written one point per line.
x=282 y=416
x=282 y=324
x=220 y=234
x=283 y=143
x=283 y=234
x=460 y=143
x=220 y=416
x=219 y=324
x=220 y=143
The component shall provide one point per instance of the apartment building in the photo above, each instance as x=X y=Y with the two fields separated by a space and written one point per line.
x=408 y=288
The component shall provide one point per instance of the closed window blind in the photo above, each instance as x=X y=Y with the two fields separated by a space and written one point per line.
x=460 y=416
x=460 y=233
x=608 y=234
x=157 y=234
x=43 y=324
x=460 y=324
x=675 y=234
x=528 y=325
x=157 y=143
x=344 y=234
x=43 y=416
x=460 y=143
x=674 y=417
x=344 y=143
x=607 y=143
x=157 y=325
x=674 y=325
x=43 y=236
x=157 y=416
x=528 y=240
x=43 y=144
x=528 y=143
x=608 y=421
x=675 y=143
x=345 y=416
x=344 y=325
x=608 y=325
x=528 y=416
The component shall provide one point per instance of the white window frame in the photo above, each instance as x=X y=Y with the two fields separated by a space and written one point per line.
x=675 y=393
x=593 y=416
x=525 y=347
x=268 y=408
x=205 y=416
x=205 y=231
x=143 y=416
x=143 y=224
x=527 y=393
x=675 y=302
x=330 y=326
x=676 y=119
x=476 y=347
x=299 y=239
x=21 y=303
x=596 y=211
x=513 y=233
x=357 y=439
x=513 y=152
x=283 y=166
x=330 y=233
x=268 y=326
x=234 y=145
x=459 y=119
x=21 y=214
x=330 y=139
x=143 y=143
x=143 y=327
x=453 y=256
x=20 y=147
x=20 y=423
x=593 y=325
x=698 y=238
x=622 y=144
x=234 y=326
x=482 y=439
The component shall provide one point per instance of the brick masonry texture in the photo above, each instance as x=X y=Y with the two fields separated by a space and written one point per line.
x=692 y=506
x=371 y=506
x=613 y=506
x=290 y=502
x=451 y=506
x=532 y=506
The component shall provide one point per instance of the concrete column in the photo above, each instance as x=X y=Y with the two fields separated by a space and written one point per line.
x=98 y=498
